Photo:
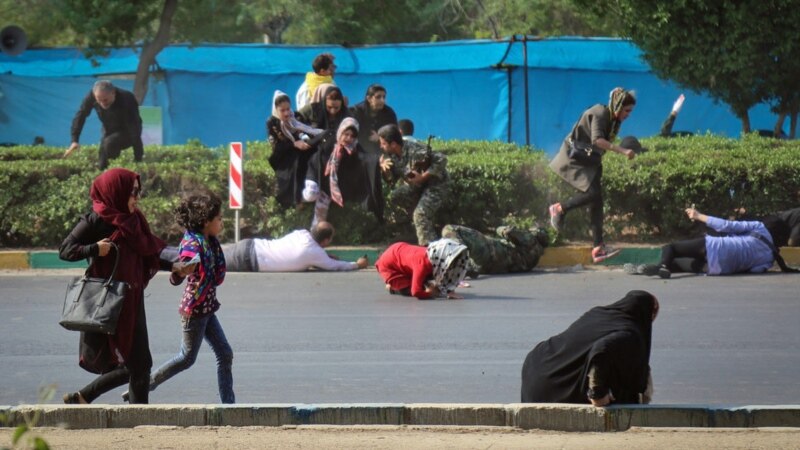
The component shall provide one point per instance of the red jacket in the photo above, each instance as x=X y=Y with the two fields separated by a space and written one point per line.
x=404 y=266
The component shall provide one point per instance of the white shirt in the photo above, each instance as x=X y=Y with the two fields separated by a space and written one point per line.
x=302 y=97
x=295 y=252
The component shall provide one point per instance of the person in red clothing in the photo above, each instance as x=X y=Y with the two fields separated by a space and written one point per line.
x=424 y=273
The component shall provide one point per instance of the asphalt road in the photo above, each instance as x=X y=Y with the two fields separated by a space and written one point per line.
x=340 y=338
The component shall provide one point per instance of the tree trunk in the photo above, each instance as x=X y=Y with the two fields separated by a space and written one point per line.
x=152 y=49
x=275 y=27
x=745 y=117
x=778 y=130
x=491 y=20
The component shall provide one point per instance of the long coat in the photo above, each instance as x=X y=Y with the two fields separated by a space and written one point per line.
x=595 y=123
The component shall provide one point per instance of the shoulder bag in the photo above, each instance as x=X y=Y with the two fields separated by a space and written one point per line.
x=776 y=254
x=583 y=154
x=94 y=304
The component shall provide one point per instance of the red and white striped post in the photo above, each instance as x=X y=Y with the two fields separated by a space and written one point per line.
x=235 y=186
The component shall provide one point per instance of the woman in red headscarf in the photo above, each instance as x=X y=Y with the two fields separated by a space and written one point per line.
x=125 y=356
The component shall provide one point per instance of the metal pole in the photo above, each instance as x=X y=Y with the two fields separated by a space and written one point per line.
x=236 y=235
x=510 y=76
x=525 y=74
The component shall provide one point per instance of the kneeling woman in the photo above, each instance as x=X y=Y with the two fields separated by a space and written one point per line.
x=413 y=270
x=602 y=358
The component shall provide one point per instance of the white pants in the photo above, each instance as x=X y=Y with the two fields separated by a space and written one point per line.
x=322 y=201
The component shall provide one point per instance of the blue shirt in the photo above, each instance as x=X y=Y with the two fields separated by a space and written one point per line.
x=739 y=251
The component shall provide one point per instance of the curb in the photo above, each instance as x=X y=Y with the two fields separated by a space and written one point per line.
x=567 y=256
x=556 y=417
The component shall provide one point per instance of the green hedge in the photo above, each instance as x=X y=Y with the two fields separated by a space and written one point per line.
x=41 y=194
x=720 y=176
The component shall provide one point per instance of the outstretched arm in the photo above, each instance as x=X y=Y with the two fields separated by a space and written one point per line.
x=726 y=226
x=696 y=215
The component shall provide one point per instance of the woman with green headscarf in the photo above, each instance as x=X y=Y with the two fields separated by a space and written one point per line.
x=594 y=132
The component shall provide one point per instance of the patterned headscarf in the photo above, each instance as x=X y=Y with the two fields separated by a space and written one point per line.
x=332 y=168
x=615 y=99
x=449 y=260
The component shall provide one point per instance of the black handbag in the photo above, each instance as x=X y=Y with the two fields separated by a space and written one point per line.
x=583 y=154
x=95 y=354
x=93 y=304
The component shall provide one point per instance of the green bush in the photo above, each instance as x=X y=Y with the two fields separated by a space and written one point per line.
x=42 y=195
x=724 y=177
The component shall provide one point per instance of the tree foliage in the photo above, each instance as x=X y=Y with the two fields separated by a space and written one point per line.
x=740 y=53
x=99 y=24
x=499 y=18
x=42 y=27
x=96 y=24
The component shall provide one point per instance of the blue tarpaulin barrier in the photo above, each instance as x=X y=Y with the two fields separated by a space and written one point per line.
x=454 y=90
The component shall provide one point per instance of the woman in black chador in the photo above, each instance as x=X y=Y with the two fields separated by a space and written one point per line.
x=602 y=358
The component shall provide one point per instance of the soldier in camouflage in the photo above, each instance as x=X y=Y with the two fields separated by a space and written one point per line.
x=513 y=250
x=422 y=175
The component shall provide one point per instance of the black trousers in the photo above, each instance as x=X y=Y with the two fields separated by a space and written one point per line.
x=691 y=251
x=135 y=372
x=593 y=198
x=113 y=143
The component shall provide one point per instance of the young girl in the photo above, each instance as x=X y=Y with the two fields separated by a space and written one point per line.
x=200 y=215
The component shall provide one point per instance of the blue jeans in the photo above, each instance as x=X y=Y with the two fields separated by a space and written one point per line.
x=194 y=330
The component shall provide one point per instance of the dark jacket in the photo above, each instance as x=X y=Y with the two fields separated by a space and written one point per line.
x=370 y=121
x=289 y=163
x=82 y=243
x=316 y=115
x=121 y=116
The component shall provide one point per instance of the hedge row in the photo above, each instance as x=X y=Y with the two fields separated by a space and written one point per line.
x=41 y=194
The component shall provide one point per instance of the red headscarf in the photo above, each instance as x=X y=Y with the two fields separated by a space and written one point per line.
x=138 y=247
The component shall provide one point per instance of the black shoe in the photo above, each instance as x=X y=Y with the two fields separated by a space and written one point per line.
x=664 y=273
x=126 y=397
x=648 y=269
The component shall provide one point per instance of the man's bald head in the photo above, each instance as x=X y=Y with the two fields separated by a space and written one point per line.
x=322 y=233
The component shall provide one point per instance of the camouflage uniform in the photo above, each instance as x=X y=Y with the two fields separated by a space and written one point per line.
x=513 y=250
x=425 y=200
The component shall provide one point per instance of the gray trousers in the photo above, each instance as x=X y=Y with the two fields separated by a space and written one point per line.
x=239 y=257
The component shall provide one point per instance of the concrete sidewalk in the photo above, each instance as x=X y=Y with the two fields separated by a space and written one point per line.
x=565 y=256
x=558 y=417
x=405 y=437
